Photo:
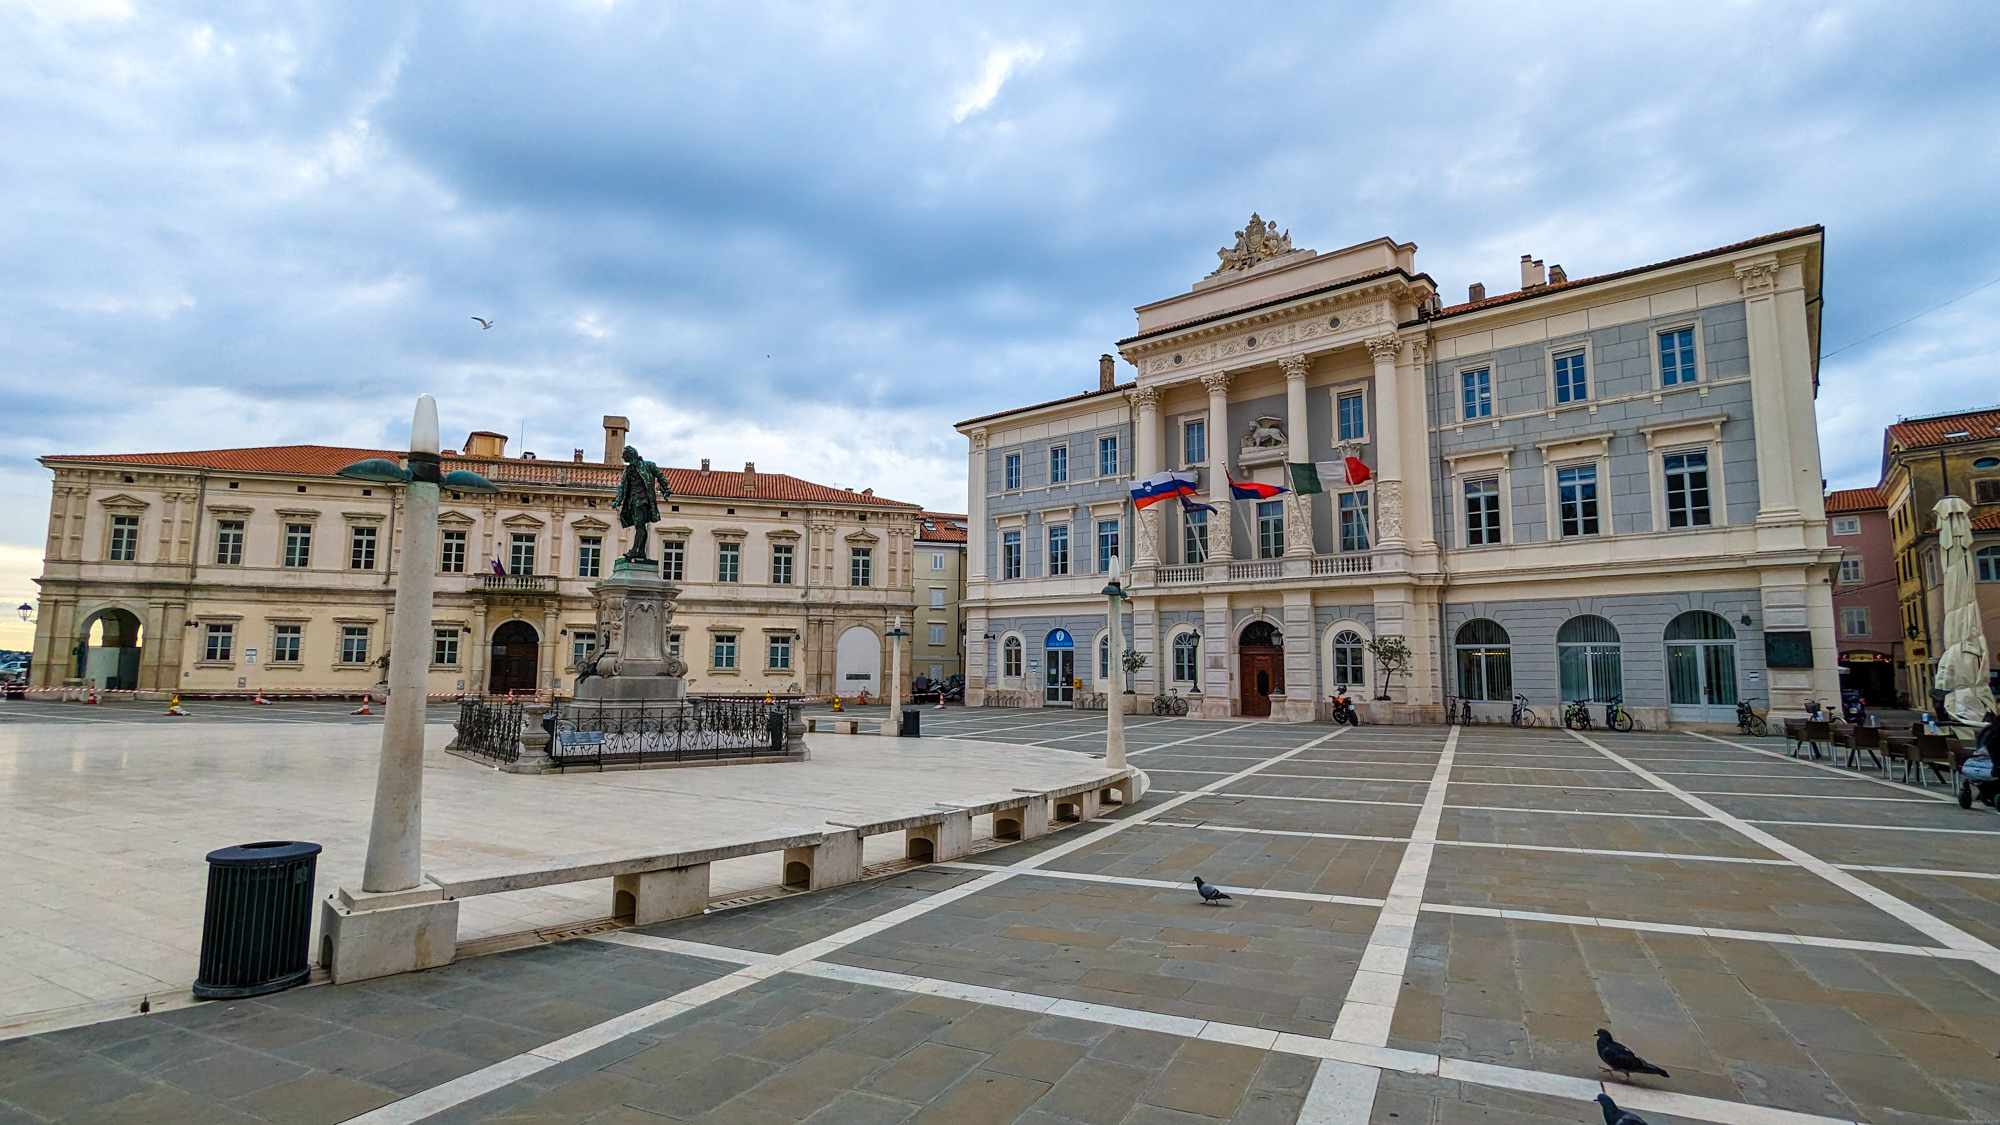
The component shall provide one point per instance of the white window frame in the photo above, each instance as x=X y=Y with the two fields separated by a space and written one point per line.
x=213 y=631
x=1173 y=639
x=1686 y=436
x=1118 y=455
x=1549 y=353
x=937 y=634
x=1020 y=672
x=1458 y=395
x=1474 y=465
x=937 y=560
x=1367 y=494
x=1849 y=614
x=464 y=544
x=1360 y=690
x=1013 y=455
x=298 y=657
x=772 y=643
x=1050 y=468
x=1992 y=483
x=1354 y=390
x=236 y=526
x=1185 y=425
x=1846 y=525
x=1600 y=482
x=1859 y=571
x=1700 y=356
x=1710 y=459
x=450 y=635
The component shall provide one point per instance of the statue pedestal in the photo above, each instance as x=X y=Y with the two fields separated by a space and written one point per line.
x=635 y=607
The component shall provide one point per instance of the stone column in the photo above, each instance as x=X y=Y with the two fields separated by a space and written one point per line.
x=975 y=511
x=1146 y=461
x=1220 y=545
x=1778 y=477
x=1388 y=442
x=1298 y=509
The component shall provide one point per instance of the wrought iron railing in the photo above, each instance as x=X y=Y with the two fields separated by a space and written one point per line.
x=490 y=729
x=599 y=735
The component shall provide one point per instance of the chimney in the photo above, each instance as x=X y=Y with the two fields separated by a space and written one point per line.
x=615 y=429
x=1557 y=276
x=749 y=476
x=1532 y=274
x=1476 y=292
x=485 y=443
x=704 y=466
x=1107 y=372
x=576 y=455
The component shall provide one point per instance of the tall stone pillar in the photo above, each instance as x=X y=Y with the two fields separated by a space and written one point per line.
x=1220 y=545
x=1298 y=509
x=1145 y=462
x=1388 y=442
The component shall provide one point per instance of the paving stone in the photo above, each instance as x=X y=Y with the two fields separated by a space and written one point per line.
x=983 y=1098
x=697 y=1092
x=229 y=1072
x=315 y=1099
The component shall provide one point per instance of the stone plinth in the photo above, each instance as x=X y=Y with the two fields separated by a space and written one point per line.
x=635 y=608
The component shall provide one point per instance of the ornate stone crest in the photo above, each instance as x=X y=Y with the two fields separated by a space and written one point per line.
x=1256 y=243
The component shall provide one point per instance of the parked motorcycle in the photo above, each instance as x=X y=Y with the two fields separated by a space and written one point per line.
x=1343 y=707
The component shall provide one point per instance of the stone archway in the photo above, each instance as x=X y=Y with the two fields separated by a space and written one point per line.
x=516 y=659
x=857 y=662
x=108 y=650
x=1260 y=656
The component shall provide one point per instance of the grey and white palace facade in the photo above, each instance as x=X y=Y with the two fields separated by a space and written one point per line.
x=1592 y=488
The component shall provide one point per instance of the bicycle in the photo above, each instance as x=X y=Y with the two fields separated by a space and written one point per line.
x=1749 y=721
x=1616 y=717
x=1576 y=715
x=1523 y=716
x=1171 y=703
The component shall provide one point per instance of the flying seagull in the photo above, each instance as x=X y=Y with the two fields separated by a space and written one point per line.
x=1210 y=893
x=484 y=323
x=1617 y=1056
x=1615 y=1116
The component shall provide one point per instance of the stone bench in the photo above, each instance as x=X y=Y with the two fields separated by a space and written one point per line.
x=834 y=726
x=1020 y=815
x=1084 y=800
x=937 y=833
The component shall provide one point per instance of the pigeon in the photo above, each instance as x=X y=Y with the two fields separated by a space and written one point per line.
x=484 y=323
x=1210 y=893
x=1617 y=1056
x=1615 y=1116
x=145 y=1004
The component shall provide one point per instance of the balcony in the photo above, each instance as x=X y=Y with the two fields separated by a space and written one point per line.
x=1265 y=570
x=516 y=585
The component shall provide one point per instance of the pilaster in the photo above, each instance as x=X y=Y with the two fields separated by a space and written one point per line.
x=1217 y=702
x=1146 y=461
x=1298 y=509
x=1387 y=349
x=1221 y=547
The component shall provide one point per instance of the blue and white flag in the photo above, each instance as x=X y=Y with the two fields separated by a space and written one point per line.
x=1162 y=486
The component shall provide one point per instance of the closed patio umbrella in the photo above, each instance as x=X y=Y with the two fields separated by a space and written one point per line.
x=1961 y=670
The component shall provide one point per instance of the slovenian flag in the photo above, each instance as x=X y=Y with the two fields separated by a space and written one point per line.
x=1162 y=486
x=1251 y=490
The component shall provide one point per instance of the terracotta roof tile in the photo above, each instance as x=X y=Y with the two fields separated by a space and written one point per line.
x=1988 y=522
x=1946 y=429
x=940 y=527
x=1854 y=500
x=325 y=460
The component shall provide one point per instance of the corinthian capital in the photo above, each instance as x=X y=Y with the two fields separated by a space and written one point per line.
x=1295 y=366
x=1144 y=399
x=1386 y=346
x=1217 y=383
x=1420 y=350
x=1758 y=275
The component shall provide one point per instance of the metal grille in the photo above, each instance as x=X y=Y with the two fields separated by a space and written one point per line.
x=700 y=730
x=489 y=729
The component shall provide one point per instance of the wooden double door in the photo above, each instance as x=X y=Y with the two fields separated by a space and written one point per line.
x=516 y=658
x=1260 y=671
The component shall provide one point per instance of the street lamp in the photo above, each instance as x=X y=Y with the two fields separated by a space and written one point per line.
x=896 y=635
x=1114 y=704
x=25 y=610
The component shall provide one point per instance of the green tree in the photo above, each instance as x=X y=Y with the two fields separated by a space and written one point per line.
x=1392 y=659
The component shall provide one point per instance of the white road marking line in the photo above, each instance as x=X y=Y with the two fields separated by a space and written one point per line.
x=1719 y=932
x=1807 y=796
x=485 y=1080
x=1211 y=734
x=1878 y=827
x=1936 y=928
x=1169 y=885
x=1279 y=832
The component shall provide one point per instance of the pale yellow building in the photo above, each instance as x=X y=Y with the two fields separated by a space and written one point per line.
x=939 y=640
x=260 y=569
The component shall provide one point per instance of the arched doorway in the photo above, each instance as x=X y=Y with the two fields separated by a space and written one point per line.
x=517 y=652
x=107 y=650
x=857 y=661
x=1589 y=660
x=1701 y=668
x=1260 y=657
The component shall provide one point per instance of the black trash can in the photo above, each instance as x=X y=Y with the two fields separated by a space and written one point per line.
x=911 y=718
x=257 y=930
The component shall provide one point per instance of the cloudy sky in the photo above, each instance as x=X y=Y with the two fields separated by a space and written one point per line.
x=815 y=235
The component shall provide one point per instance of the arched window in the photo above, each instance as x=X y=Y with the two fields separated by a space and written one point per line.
x=1262 y=633
x=1589 y=659
x=1700 y=625
x=1485 y=661
x=1347 y=667
x=1010 y=657
x=1187 y=657
x=1988 y=561
x=1104 y=658
x=1701 y=665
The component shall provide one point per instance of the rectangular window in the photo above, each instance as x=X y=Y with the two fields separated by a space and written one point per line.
x=673 y=559
x=1847 y=525
x=444 y=648
x=937 y=560
x=1576 y=499
x=1058 y=464
x=286 y=641
x=1059 y=551
x=124 y=539
x=521 y=553
x=1850 y=572
x=861 y=566
x=729 y=562
x=1194 y=538
x=1687 y=489
x=937 y=635
x=1677 y=357
x=1986 y=491
x=361 y=548
x=1010 y=554
x=1107 y=456
x=1854 y=621
x=1571 y=383
x=1194 y=444
x=1477 y=388
x=937 y=597
x=725 y=650
x=229 y=543
x=451 y=552
x=354 y=644
x=781 y=564
x=1482 y=512
x=1270 y=529
x=778 y=653
x=589 y=556
x=581 y=645
x=1107 y=544
x=1351 y=416
x=1354 y=521
x=1012 y=472
x=221 y=643
x=674 y=643
x=298 y=544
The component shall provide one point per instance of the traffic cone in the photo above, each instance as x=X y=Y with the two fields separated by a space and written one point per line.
x=260 y=701
x=173 y=706
x=362 y=710
x=93 y=696
x=836 y=705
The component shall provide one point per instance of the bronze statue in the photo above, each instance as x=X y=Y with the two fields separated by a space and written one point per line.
x=638 y=507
